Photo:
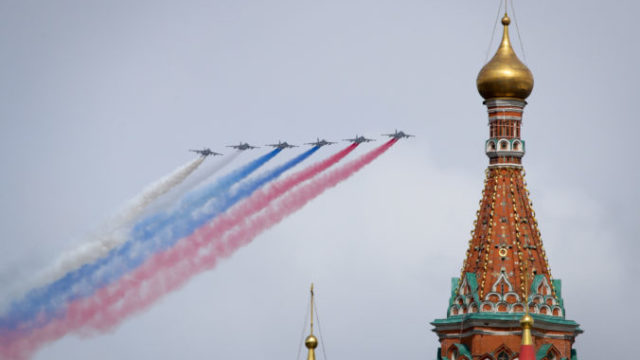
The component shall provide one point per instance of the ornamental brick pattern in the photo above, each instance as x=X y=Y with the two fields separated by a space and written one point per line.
x=506 y=270
x=506 y=256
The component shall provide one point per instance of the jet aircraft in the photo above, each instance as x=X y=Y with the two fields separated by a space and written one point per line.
x=359 y=139
x=282 y=145
x=399 y=135
x=206 y=152
x=320 y=143
x=243 y=146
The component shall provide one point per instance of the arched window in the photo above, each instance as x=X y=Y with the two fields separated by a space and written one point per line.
x=503 y=356
x=551 y=355
x=454 y=354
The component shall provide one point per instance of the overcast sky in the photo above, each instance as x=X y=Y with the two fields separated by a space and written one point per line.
x=100 y=98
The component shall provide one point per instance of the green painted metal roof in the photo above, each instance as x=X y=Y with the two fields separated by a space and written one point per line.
x=542 y=351
x=462 y=350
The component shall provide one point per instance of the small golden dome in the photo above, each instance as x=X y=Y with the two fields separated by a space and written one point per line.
x=311 y=342
x=505 y=76
x=526 y=320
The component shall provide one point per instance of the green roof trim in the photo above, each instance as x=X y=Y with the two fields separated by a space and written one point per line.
x=557 y=286
x=473 y=284
x=542 y=351
x=535 y=283
x=502 y=316
x=462 y=350
x=574 y=354
x=454 y=286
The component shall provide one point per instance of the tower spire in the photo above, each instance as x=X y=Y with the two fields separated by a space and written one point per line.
x=505 y=274
x=311 y=342
x=311 y=312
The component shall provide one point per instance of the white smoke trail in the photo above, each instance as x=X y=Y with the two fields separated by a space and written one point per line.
x=136 y=206
x=193 y=182
x=113 y=233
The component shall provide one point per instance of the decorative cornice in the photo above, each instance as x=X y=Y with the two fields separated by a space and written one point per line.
x=501 y=153
x=518 y=333
x=506 y=165
x=461 y=323
x=499 y=117
x=505 y=102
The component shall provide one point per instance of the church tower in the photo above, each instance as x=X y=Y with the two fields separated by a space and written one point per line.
x=505 y=295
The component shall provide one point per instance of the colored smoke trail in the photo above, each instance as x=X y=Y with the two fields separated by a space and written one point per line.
x=135 y=207
x=111 y=234
x=197 y=180
x=198 y=197
x=201 y=178
x=41 y=304
x=132 y=210
x=116 y=236
x=169 y=270
x=133 y=253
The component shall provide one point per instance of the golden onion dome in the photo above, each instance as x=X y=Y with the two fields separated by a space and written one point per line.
x=505 y=76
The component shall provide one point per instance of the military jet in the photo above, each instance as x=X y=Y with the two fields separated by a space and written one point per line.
x=398 y=135
x=206 y=152
x=282 y=145
x=359 y=139
x=320 y=143
x=243 y=146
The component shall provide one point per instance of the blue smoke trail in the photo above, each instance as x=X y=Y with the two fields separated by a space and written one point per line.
x=148 y=237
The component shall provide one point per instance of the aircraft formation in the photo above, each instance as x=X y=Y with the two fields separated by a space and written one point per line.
x=169 y=244
x=318 y=143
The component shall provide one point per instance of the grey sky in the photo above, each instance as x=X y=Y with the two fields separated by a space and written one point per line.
x=99 y=98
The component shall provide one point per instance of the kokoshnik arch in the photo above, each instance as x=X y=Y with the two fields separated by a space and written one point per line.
x=505 y=305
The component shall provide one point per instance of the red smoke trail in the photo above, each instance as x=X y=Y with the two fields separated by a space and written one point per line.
x=163 y=273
